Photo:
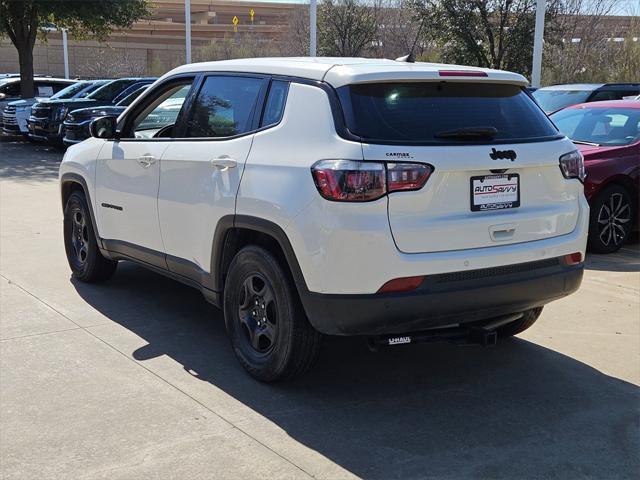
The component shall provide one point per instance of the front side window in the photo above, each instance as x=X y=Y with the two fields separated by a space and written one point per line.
x=162 y=112
x=600 y=126
x=442 y=112
x=224 y=107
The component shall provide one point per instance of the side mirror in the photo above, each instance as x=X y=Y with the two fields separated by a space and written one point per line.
x=104 y=127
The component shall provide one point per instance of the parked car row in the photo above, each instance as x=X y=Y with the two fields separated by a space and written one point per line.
x=44 y=118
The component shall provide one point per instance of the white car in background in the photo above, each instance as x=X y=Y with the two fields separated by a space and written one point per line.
x=45 y=87
x=341 y=196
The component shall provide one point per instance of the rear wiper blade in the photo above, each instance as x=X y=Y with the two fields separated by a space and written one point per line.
x=469 y=132
x=582 y=142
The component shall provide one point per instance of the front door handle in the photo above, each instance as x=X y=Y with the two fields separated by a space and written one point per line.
x=146 y=160
x=224 y=163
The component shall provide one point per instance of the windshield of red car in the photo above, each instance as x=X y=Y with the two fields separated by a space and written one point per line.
x=602 y=126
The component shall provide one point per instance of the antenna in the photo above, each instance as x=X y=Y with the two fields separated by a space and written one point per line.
x=411 y=58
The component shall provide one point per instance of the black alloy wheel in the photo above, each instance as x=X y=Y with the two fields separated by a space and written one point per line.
x=611 y=220
x=257 y=314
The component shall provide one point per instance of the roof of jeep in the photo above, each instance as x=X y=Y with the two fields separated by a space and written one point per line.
x=341 y=71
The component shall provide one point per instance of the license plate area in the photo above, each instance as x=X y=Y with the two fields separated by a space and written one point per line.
x=495 y=192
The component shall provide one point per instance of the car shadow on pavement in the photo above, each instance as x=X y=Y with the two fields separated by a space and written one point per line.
x=517 y=410
x=38 y=162
x=627 y=259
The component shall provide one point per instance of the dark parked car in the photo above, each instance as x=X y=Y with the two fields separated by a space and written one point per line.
x=551 y=99
x=46 y=119
x=608 y=135
x=76 y=124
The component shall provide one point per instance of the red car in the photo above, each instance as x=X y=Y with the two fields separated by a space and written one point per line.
x=608 y=135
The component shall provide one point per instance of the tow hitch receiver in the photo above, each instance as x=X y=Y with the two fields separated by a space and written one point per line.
x=485 y=334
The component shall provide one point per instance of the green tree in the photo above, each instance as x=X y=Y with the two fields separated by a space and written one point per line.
x=22 y=20
x=347 y=28
x=487 y=33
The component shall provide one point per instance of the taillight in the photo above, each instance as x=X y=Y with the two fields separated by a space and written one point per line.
x=407 y=176
x=356 y=181
x=572 y=165
x=349 y=181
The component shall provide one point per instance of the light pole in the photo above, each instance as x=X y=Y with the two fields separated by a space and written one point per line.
x=187 y=28
x=65 y=46
x=536 y=70
x=313 y=8
x=65 y=51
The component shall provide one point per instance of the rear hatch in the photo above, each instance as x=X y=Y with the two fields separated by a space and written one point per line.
x=495 y=156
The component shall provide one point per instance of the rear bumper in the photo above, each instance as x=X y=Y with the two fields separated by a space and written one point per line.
x=445 y=299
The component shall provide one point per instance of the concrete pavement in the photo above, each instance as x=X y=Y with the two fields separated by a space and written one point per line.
x=134 y=378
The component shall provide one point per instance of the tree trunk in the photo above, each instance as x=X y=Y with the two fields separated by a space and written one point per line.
x=25 y=56
x=20 y=23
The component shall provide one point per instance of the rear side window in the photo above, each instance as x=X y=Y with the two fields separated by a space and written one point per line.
x=44 y=89
x=276 y=100
x=224 y=107
x=422 y=112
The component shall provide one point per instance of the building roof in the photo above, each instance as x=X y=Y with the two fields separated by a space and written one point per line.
x=343 y=71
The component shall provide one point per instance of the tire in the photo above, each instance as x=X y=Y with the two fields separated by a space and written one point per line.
x=611 y=220
x=84 y=257
x=520 y=325
x=269 y=331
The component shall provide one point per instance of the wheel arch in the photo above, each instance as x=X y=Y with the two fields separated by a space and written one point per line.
x=237 y=231
x=72 y=182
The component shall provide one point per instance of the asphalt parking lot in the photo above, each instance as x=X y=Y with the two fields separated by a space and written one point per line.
x=135 y=378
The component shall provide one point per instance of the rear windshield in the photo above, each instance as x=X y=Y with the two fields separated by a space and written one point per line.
x=432 y=112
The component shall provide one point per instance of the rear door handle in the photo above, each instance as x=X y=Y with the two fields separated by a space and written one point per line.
x=224 y=163
x=146 y=160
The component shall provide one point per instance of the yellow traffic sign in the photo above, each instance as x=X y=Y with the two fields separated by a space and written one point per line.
x=251 y=14
x=235 y=22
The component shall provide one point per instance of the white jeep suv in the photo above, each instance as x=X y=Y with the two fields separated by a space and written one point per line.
x=397 y=201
